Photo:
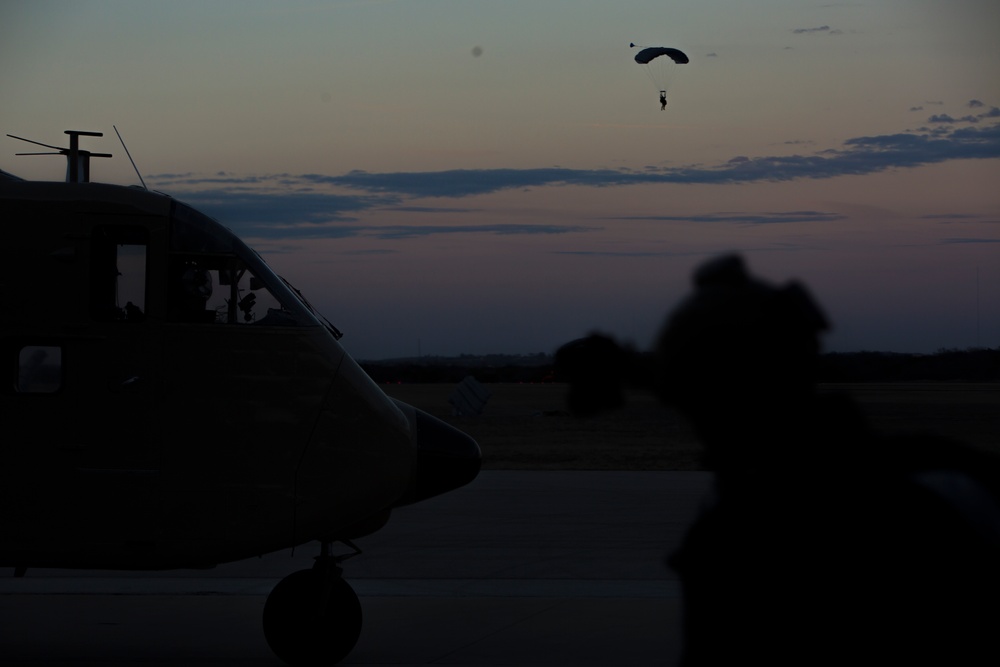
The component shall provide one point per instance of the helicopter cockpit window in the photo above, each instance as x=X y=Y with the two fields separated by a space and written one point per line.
x=215 y=278
x=222 y=290
x=118 y=274
x=39 y=369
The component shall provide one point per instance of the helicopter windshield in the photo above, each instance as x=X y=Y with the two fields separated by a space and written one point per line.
x=216 y=278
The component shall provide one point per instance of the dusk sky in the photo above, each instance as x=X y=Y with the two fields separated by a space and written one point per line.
x=497 y=176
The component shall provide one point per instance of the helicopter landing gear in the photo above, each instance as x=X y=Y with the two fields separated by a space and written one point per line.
x=313 y=617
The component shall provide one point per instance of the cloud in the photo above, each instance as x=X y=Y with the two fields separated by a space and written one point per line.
x=622 y=253
x=811 y=31
x=319 y=205
x=294 y=215
x=964 y=119
x=765 y=218
x=466 y=182
x=266 y=209
x=409 y=231
x=390 y=232
x=994 y=112
x=370 y=251
x=435 y=209
x=952 y=216
x=975 y=104
x=664 y=253
x=858 y=156
x=968 y=240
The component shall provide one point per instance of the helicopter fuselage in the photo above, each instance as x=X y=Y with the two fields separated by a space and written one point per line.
x=175 y=402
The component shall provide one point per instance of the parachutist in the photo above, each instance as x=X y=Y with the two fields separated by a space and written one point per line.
x=663 y=100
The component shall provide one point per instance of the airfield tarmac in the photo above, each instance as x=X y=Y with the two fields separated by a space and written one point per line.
x=557 y=563
x=518 y=568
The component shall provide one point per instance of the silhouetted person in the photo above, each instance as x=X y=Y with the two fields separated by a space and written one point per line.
x=826 y=542
x=663 y=100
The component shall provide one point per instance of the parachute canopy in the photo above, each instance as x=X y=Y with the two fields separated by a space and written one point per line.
x=660 y=64
x=648 y=54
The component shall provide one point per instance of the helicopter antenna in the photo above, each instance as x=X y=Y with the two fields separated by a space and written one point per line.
x=130 y=158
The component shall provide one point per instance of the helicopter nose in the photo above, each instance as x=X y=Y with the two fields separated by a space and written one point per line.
x=446 y=459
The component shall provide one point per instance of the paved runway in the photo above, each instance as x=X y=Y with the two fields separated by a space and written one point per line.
x=518 y=568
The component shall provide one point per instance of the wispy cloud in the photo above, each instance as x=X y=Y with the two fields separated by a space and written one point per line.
x=823 y=29
x=466 y=182
x=951 y=217
x=968 y=240
x=435 y=209
x=410 y=231
x=621 y=253
x=765 y=218
x=631 y=254
x=295 y=216
x=274 y=208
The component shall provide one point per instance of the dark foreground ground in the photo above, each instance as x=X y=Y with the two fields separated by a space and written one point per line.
x=517 y=569
x=527 y=427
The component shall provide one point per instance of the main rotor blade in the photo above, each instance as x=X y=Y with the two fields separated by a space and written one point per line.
x=37 y=143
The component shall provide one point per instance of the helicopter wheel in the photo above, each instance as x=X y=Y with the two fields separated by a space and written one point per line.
x=312 y=617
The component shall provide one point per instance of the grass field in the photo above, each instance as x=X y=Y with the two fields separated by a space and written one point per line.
x=527 y=426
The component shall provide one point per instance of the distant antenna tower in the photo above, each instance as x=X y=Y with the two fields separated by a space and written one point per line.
x=77 y=161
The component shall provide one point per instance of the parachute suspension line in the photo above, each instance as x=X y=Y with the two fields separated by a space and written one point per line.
x=657 y=83
x=647 y=68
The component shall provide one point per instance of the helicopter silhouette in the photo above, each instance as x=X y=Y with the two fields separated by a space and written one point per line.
x=177 y=404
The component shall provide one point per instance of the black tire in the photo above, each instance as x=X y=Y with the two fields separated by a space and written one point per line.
x=301 y=629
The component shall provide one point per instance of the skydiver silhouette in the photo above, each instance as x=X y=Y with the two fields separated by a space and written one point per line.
x=663 y=100
x=826 y=540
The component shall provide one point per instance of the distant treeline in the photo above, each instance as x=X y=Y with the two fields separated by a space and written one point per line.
x=485 y=368
x=978 y=365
